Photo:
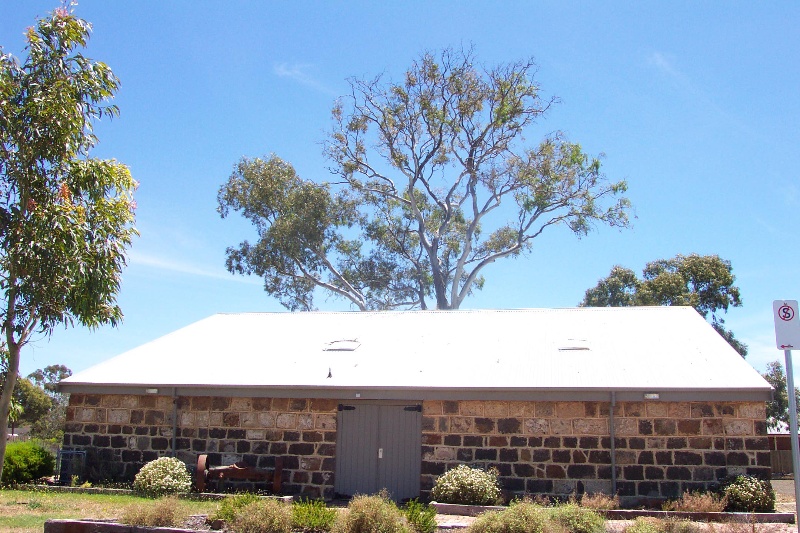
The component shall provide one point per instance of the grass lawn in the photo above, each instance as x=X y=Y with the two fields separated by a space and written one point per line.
x=26 y=511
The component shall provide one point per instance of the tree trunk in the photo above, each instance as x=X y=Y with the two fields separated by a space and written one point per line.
x=5 y=399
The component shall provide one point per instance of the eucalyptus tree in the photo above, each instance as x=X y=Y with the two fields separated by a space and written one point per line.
x=705 y=282
x=66 y=219
x=432 y=183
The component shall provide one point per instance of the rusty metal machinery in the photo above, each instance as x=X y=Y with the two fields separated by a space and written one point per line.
x=206 y=475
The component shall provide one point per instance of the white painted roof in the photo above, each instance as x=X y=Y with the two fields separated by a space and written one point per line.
x=658 y=348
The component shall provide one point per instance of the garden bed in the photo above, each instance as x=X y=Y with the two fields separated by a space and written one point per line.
x=632 y=514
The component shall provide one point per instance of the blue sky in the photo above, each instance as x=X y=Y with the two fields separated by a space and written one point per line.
x=694 y=104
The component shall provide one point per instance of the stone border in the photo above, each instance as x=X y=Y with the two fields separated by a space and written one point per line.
x=90 y=526
x=128 y=492
x=631 y=514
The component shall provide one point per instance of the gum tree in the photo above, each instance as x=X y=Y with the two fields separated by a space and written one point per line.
x=66 y=219
x=705 y=282
x=433 y=183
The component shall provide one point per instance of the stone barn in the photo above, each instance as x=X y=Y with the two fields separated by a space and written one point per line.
x=645 y=402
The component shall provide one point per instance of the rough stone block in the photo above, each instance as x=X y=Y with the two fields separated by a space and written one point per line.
x=756 y=411
x=560 y=426
x=471 y=408
x=461 y=424
x=544 y=409
x=561 y=456
x=536 y=426
x=484 y=425
x=496 y=409
x=702 y=410
x=444 y=453
x=664 y=426
x=590 y=426
x=286 y=421
x=653 y=472
x=679 y=410
x=432 y=407
x=581 y=471
x=509 y=425
x=738 y=426
x=249 y=419
x=230 y=419
x=687 y=458
x=497 y=441
x=570 y=410
x=626 y=426
x=625 y=457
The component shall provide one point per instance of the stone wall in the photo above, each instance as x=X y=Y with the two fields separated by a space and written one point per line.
x=662 y=448
x=122 y=432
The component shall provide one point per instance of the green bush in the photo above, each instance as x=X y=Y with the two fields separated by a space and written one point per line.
x=520 y=517
x=233 y=504
x=749 y=494
x=467 y=486
x=263 y=516
x=657 y=525
x=165 y=475
x=164 y=513
x=312 y=516
x=421 y=517
x=26 y=461
x=371 y=514
x=577 y=519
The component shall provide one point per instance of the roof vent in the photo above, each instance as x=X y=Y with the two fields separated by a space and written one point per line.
x=343 y=345
x=575 y=345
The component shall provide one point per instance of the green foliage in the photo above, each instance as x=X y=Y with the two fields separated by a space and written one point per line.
x=263 y=516
x=420 y=516
x=35 y=403
x=521 y=517
x=778 y=407
x=698 y=502
x=66 y=218
x=468 y=486
x=422 y=166
x=312 y=516
x=705 y=282
x=165 y=475
x=166 y=512
x=577 y=519
x=657 y=525
x=27 y=461
x=233 y=504
x=371 y=514
x=748 y=494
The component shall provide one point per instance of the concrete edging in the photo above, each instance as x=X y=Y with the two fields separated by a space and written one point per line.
x=91 y=526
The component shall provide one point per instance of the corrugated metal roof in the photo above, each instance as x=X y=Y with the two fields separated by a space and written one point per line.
x=658 y=348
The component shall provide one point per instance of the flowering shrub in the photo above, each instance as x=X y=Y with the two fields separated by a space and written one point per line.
x=749 y=494
x=165 y=475
x=467 y=486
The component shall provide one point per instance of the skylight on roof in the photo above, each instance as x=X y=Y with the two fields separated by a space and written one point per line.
x=343 y=345
x=574 y=345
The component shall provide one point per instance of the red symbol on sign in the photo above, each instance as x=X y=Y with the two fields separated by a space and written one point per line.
x=786 y=313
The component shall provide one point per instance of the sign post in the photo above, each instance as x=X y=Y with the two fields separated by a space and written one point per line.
x=787 y=338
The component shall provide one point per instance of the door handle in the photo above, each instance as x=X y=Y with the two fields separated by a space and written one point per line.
x=380 y=453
